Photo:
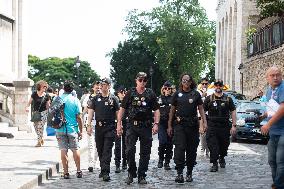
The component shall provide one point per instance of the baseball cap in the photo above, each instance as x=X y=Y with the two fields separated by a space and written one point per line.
x=106 y=80
x=219 y=82
x=167 y=84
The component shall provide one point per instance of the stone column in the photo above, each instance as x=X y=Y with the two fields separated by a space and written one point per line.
x=21 y=98
x=229 y=49
x=225 y=49
x=222 y=51
x=217 y=53
x=234 y=61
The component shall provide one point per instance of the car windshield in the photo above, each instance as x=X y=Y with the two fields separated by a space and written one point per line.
x=243 y=106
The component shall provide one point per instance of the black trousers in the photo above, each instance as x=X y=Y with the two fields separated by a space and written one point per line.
x=104 y=137
x=144 y=133
x=165 y=149
x=186 y=140
x=119 y=146
x=218 y=141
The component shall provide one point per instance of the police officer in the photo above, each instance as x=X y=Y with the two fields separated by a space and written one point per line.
x=118 y=150
x=140 y=102
x=105 y=106
x=183 y=116
x=165 y=148
x=219 y=107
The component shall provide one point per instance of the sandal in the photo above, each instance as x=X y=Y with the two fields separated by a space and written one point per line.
x=66 y=176
x=79 y=174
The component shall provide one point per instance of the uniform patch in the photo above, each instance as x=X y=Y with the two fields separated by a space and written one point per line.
x=144 y=103
x=190 y=100
x=99 y=99
x=142 y=98
x=214 y=104
x=106 y=103
x=138 y=103
x=180 y=94
x=222 y=104
x=136 y=98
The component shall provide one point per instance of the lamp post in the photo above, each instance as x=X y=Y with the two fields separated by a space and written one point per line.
x=151 y=71
x=77 y=64
x=240 y=68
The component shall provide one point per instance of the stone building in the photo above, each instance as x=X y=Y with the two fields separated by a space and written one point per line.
x=14 y=81
x=240 y=65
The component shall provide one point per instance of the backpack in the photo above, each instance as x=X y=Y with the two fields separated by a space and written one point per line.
x=55 y=114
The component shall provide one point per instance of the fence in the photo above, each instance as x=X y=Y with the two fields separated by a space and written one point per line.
x=267 y=38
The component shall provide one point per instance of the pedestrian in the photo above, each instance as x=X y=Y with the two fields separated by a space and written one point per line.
x=105 y=105
x=120 y=148
x=92 y=150
x=275 y=126
x=202 y=89
x=40 y=101
x=139 y=102
x=219 y=106
x=70 y=133
x=165 y=149
x=183 y=119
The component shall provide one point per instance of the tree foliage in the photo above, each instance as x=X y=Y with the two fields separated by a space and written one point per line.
x=55 y=71
x=269 y=8
x=179 y=36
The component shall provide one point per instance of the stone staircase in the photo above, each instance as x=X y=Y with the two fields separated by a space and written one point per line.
x=7 y=131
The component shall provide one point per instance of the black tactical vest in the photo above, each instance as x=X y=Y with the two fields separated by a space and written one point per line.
x=218 y=108
x=104 y=107
x=165 y=106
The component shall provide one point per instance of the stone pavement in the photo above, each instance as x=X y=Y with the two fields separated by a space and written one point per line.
x=22 y=165
x=246 y=168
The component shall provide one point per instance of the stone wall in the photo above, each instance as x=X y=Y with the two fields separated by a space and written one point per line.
x=255 y=68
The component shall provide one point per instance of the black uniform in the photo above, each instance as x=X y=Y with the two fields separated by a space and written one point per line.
x=105 y=109
x=165 y=149
x=186 y=129
x=218 y=133
x=139 y=108
x=118 y=150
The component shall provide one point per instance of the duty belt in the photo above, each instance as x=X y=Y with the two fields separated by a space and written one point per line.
x=140 y=123
x=102 y=123
x=180 y=119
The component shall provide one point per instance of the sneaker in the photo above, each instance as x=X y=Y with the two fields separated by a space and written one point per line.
x=188 y=178
x=91 y=169
x=222 y=162
x=117 y=169
x=214 y=167
x=106 y=177
x=160 y=164
x=129 y=179
x=79 y=174
x=66 y=176
x=179 y=178
x=142 y=180
x=167 y=166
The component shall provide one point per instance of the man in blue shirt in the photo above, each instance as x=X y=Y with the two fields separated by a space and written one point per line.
x=68 y=136
x=275 y=127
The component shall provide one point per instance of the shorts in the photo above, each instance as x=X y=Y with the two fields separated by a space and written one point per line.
x=67 y=141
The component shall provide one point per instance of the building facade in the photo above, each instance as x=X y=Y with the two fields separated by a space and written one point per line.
x=14 y=81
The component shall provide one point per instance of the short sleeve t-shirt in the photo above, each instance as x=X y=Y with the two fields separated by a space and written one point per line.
x=278 y=95
x=72 y=107
x=39 y=103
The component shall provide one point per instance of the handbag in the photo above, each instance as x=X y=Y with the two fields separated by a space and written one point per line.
x=36 y=116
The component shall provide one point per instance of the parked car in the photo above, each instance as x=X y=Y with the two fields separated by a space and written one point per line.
x=235 y=96
x=248 y=121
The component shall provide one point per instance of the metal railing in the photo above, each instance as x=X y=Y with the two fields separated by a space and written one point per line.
x=267 y=38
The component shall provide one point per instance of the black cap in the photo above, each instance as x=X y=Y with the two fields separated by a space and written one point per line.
x=167 y=84
x=219 y=82
x=121 y=89
x=106 y=80
x=141 y=75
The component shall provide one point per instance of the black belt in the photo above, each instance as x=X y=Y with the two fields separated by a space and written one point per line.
x=180 y=119
x=104 y=122
x=137 y=123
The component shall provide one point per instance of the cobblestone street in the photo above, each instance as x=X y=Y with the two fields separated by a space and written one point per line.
x=246 y=168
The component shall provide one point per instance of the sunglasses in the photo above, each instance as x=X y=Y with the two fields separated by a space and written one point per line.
x=185 y=80
x=204 y=83
x=144 y=80
x=168 y=88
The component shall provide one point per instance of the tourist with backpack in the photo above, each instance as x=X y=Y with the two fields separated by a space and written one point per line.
x=40 y=101
x=70 y=132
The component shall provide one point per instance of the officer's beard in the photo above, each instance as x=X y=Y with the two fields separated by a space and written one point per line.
x=218 y=90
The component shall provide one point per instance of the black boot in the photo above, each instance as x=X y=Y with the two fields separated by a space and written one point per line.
x=124 y=165
x=167 y=166
x=214 y=167
x=179 y=178
x=142 y=180
x=129 y=179
x=106 y=177
x=188 y=177
x=91 y=169
x=117 y=169
x=222 y=162
x=160 y=163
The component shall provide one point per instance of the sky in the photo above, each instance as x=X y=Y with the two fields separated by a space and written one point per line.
x=86 y=28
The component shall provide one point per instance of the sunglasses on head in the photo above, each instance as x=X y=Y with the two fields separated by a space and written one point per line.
x=144 y=80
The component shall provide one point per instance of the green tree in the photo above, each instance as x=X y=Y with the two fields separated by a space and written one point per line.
x=178 y=34
x=129 y=58
x=55 y=71
x=270 y=8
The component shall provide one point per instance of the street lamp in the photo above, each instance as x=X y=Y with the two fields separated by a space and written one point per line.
x=151 y=71
x=77 y=64
x=241 y=69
